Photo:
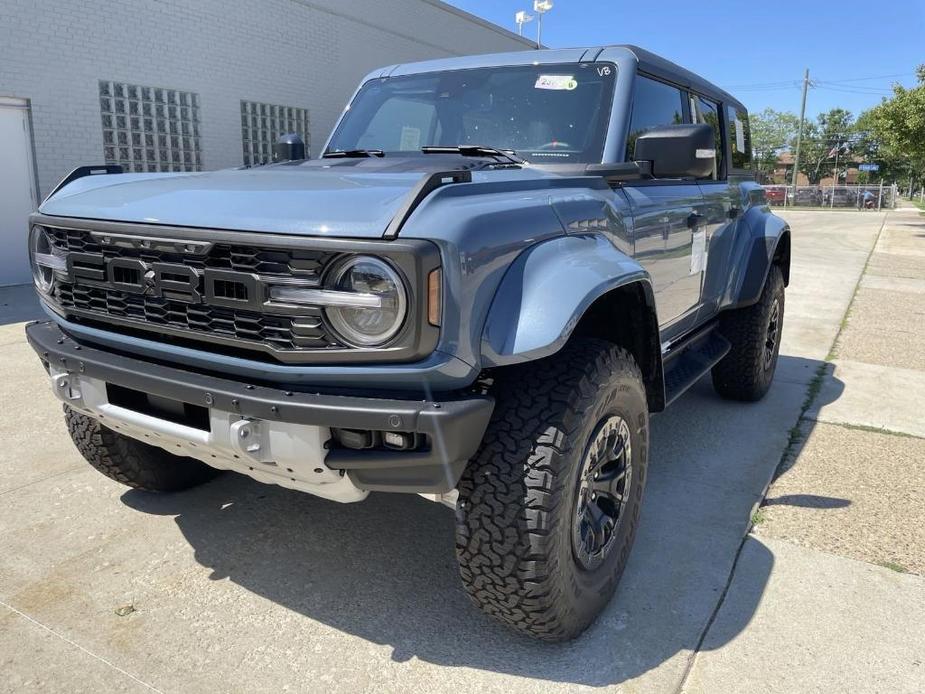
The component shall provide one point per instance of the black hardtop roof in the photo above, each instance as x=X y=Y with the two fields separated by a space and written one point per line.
x=647 y=61
x=660 y=67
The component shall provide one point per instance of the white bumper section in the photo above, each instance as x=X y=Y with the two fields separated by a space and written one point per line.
x=290 y=455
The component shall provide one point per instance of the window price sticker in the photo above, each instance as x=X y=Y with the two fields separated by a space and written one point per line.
x=558 y=82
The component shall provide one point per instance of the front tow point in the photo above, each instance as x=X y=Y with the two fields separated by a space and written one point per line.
x=247 y=439
x=67 y=387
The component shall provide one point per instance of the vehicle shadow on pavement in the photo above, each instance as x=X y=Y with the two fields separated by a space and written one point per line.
x=384 y=570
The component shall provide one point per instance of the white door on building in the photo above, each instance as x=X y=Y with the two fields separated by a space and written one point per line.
x=17 y=191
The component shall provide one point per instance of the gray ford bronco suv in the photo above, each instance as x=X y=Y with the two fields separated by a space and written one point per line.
x=497 y=270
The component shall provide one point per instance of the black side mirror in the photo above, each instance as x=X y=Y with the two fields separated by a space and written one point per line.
x=678 y=151
x=289 y=147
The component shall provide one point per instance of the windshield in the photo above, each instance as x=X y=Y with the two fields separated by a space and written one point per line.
x=547 y=113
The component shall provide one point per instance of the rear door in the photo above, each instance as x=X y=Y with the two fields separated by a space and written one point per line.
x=722 y=204
x=665 y=212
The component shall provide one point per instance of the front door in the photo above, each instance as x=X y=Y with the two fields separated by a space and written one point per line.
x=665 y=219
x=665 y=212
x=17 y=195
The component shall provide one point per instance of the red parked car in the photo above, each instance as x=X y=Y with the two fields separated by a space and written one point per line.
x=775 y=195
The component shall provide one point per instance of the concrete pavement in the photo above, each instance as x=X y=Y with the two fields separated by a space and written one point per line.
x=236 y=586
x=845 y=519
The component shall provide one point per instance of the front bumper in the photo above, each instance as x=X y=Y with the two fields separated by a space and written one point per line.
x=452 y=427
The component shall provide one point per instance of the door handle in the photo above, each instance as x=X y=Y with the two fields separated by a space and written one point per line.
x=694 y=219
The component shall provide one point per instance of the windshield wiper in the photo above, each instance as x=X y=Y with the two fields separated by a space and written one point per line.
x=475 y=151
x=353 y=153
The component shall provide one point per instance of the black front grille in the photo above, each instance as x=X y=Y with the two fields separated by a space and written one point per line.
x=305 y=330
x=281 y=332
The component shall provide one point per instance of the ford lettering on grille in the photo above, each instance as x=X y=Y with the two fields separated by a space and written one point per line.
x=172 y=281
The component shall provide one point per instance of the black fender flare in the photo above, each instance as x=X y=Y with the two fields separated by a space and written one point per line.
x=763 y=239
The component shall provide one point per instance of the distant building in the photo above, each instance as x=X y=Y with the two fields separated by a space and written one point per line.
x=783 y=171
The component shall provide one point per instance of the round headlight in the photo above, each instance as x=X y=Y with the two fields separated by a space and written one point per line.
x=40 y=247
x=379 y=287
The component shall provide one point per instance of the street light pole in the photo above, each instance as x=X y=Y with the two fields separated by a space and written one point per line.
x=540 y=7
x=522 y=18
x=796 y=156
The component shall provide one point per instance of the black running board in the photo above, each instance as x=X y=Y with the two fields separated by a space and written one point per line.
x=689 y=362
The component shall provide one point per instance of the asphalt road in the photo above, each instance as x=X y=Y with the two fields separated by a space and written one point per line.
x=236 y=586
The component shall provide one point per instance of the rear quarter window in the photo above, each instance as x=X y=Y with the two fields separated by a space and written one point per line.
x=740 y=138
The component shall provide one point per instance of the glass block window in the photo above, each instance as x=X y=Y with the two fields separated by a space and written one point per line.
x=150 y=128
x=262 y=124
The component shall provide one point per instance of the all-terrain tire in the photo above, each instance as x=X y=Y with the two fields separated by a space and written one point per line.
x=746 y=372
x=519 y=496
x=133 y=463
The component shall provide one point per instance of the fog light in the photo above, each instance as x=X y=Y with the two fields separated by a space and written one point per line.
x=399 y=440
x=355 y=438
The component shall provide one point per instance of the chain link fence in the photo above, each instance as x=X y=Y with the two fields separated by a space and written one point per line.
x=857 y=196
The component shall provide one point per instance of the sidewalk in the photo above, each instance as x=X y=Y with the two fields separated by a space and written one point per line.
x=843 y=525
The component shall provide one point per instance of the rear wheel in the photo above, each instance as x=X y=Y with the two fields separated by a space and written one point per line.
x=548 y=508
x=746 y=372
x=132 y=462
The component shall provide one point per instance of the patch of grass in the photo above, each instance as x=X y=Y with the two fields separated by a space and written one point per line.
x=893 y=566
x=873 y=430
x=759 y=517
x=813 y=389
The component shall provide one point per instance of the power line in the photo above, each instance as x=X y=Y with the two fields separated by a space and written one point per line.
x=791 y=84
x=864 y=79
x=872 y=92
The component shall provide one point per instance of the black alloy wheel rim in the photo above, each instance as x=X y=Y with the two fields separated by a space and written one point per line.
x=772 y=335
x=603 y=488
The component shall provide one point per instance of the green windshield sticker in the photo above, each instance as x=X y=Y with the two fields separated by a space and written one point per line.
x=567 y=82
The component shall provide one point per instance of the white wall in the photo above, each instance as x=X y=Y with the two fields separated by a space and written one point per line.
x=17 y=197
x=306 y=53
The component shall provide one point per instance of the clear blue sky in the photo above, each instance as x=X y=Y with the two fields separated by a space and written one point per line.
x=749 y=47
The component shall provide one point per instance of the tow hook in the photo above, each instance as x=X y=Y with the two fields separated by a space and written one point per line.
x=247 y=439
x=67 y=386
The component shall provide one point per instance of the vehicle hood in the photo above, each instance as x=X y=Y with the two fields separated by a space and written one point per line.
x=344 y=198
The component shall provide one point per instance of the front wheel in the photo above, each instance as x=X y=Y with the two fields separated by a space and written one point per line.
x=548 y=508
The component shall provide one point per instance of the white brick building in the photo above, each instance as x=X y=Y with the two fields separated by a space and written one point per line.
x=188 y=84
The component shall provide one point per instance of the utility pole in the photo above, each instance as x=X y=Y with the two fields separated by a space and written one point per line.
x=796 y=156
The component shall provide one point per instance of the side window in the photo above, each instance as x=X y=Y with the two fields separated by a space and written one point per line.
x=706 y=111
x=740 y=138
x=654 y=103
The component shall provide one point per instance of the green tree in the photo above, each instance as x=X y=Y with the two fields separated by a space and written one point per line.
x=871 y=148
x=897 y=127
x=771 y=132
x=829 y=130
